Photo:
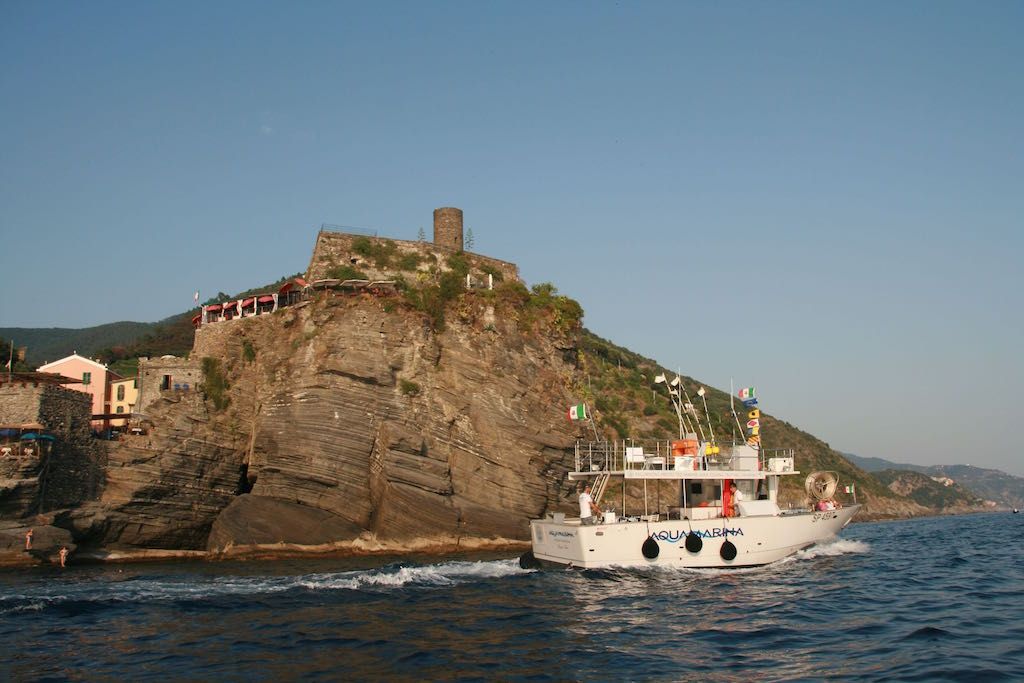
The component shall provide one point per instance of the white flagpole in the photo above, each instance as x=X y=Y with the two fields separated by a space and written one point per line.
x=732 y=407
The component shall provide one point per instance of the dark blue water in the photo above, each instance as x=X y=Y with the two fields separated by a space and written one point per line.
x=931 y=599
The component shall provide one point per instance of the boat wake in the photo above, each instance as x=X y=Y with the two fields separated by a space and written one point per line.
x=205 y=589
x=834 y=548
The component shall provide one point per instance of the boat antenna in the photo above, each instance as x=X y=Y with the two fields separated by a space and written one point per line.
x=693 y=408
x=707 y=413
x=673 y=397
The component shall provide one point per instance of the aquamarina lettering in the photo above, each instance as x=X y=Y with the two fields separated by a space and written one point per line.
x=671 y=536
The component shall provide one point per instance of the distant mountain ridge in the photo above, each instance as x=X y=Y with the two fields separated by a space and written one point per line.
x=994 y=485
x=47 y=344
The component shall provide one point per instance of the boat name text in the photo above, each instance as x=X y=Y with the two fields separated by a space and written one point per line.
x=676 y=536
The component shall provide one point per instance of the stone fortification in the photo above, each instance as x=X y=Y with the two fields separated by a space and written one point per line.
x=407 y=259
x=448 y=228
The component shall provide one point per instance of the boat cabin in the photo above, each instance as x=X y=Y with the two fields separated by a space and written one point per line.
x=696 y=476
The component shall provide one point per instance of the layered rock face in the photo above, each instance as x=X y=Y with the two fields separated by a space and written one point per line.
x=363 y=423
x=345 y=421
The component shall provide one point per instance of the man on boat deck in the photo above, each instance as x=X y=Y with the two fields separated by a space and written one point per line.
x=735 y=498
x=589 y=512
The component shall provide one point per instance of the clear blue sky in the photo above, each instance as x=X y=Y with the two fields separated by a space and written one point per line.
x=823 y=200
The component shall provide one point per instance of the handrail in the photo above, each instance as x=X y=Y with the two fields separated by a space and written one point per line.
x=635 y=454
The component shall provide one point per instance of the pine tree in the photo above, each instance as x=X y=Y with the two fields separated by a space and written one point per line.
x=421 y=236
x=469 y=239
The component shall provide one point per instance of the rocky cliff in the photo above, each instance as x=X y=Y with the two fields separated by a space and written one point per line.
x=347 y=421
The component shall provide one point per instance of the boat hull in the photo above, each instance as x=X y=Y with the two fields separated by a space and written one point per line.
x=757 y=540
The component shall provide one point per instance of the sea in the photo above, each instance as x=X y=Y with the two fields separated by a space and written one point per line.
x=919 y=600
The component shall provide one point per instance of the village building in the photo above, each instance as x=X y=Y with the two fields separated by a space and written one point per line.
x=163 y=377
x=95 y=380
x=124 y=396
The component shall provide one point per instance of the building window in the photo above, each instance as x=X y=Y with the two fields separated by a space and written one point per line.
x=120 y=409
x=86 y=378
x=166 y=383
x=120 y=392
x=135 y=383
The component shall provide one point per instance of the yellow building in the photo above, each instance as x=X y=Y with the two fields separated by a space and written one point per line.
x=124 y=397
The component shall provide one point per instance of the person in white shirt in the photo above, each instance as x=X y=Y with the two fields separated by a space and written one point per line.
x=589 y=512
x=736 y=497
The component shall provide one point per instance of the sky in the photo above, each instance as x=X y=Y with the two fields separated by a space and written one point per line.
x=821 y=200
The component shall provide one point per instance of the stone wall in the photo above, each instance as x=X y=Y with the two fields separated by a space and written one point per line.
x=338 y=249
x=19 y=403
x=186 y=374
x=64 y=473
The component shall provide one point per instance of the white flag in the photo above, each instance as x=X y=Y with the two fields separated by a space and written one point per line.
x=700 y=392
x=195 y=297
x=675 y=382
x=659 y=379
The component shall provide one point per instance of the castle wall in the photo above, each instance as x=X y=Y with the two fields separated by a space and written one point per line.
x=334 y=249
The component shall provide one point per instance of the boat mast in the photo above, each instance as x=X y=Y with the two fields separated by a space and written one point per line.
x=689 y=403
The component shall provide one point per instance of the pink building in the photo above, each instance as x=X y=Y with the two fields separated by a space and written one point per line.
x=95 y=378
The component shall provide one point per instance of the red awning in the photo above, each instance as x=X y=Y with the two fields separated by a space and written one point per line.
x=296 y=283
x=266 y=299
x=230 y=304
x=213 y=307
x=248 y=302
x=196 y=317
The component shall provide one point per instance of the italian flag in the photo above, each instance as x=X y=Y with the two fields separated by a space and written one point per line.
x=578 y=412
x=746 y=393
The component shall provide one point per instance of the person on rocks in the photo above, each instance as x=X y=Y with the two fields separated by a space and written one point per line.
x=28 y=539
x=589 y=512
x=63 y=556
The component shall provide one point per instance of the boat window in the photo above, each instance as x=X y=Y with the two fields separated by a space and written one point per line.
x=696 y=488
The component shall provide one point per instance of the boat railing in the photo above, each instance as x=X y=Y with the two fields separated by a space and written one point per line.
x=634 y=454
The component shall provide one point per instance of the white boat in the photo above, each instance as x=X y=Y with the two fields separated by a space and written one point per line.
x=700 y=526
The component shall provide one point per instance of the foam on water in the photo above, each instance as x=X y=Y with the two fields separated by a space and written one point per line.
x=833 y=548
x=204 y=588
x=446 y=574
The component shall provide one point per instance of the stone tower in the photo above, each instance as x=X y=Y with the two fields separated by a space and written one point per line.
x=448 y=228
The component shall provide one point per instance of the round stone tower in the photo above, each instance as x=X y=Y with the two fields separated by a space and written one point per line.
x=448 y=228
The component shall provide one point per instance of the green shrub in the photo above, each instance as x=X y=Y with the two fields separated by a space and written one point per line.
x=458 y=264
x=409 y=261
x=346 y=273
x=362 y=246
x=215 y=384
x=248 y=351
x=409 y=388
x=493 y=272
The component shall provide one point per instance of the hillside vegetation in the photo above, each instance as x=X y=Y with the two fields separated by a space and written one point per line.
x=620 y=385
x=926 y=491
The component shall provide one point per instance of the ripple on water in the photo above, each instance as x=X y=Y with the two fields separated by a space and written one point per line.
x=886 y=596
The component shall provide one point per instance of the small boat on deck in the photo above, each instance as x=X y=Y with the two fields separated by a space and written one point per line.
x=704 y=524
